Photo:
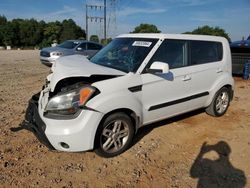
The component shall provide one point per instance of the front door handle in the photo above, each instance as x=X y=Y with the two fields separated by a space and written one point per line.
x=186 y=78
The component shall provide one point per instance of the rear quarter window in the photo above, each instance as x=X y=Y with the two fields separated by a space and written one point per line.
x=205 y=52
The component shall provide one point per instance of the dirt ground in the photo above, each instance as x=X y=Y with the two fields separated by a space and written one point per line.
x=166 y=154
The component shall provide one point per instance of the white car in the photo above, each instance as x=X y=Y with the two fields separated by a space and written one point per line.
x=136 y=80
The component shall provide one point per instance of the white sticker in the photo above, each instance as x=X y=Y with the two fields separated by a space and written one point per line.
x=142 y=43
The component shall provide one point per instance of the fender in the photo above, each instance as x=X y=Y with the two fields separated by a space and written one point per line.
x=218 y=84
x=115 y=94
x=124 y=99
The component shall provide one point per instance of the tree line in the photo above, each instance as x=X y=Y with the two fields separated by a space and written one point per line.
x=204 y=30
x=33 y=33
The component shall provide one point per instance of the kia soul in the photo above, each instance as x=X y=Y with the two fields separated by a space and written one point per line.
x=137 y=79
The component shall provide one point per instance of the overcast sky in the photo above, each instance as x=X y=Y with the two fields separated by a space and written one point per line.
x=170 y=16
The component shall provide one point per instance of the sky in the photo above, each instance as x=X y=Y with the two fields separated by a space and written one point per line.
x=170 y=16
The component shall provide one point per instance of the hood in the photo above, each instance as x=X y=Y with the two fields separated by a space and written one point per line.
x=52 y=49
x=58 y=49
x=77 y=66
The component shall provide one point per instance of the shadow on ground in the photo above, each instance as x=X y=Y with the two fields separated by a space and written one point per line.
x=148 y=128
x=219 y=172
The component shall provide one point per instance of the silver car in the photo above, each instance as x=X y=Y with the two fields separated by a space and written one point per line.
x=69 y=47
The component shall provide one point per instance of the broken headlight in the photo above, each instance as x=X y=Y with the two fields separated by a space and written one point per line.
x=69 y=103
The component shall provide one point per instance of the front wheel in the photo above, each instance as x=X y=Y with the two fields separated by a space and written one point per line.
x=114 y=135
x=220 y=103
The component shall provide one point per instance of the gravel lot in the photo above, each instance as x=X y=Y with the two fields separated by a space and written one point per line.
x=166 y=154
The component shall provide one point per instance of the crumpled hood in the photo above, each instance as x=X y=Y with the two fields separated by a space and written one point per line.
x=77 y=66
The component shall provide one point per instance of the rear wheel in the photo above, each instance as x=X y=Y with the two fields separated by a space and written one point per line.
x=220 y=103
x=114 y=135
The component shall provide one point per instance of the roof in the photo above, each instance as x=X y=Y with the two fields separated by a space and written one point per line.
x=77 y=40
x=174 y=36
x=80 y=41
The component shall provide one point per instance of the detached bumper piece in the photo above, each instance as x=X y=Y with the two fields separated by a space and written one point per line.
x=34 y=123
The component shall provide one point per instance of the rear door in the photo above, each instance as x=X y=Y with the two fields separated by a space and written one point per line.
x=205 y=66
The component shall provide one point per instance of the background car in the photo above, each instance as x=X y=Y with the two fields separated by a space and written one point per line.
x=69 y=47
x=240 y=55
x=241 y=43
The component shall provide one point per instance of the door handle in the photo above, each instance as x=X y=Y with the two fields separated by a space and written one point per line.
x=186 y=78
x=219 y=70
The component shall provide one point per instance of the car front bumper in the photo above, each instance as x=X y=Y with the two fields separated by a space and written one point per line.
x=34 y=123
x=72 y=135
x=48 y=61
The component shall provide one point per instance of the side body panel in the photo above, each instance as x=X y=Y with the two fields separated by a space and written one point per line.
x=159 y=90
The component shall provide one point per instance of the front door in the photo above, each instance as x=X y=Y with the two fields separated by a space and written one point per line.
x=165 y=95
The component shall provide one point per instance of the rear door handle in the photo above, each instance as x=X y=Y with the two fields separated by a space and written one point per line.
x=219 y=70
x=186 y=78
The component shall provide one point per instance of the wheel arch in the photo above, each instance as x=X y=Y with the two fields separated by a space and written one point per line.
x=231 y=92
x=223 y=81
x=130 y=113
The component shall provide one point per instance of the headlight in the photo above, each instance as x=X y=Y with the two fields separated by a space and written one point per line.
x=69 y=103
x=56 y=53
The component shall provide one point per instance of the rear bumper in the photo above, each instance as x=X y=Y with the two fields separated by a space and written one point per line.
x=34 y=123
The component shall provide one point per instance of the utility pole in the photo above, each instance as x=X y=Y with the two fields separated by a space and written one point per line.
x=105 y=20
x=111 y=17
x=96 y=18
x=87 y=32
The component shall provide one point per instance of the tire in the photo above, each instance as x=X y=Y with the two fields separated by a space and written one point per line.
x=114 y=135
x=220 y=103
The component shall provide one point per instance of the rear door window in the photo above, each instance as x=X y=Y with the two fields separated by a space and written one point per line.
x=205 y=52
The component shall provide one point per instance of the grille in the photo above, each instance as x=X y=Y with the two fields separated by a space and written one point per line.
x=44 y=54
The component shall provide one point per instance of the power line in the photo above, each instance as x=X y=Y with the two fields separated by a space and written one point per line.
x=102 y=8
x=89 y=16
x=112 y=25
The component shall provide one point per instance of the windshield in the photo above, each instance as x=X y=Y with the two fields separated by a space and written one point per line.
x=124 y=54
x=69 y=44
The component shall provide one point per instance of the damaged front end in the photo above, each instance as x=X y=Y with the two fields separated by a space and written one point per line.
x=34 y=123
x=66 y=102
x=59 y=115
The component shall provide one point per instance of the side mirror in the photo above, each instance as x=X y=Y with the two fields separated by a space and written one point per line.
x=159 y=67
x=79 y=49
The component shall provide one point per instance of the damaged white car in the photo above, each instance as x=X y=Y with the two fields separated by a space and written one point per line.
x=135 y=80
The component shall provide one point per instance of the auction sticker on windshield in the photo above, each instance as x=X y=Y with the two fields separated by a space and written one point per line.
x=142 y=43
